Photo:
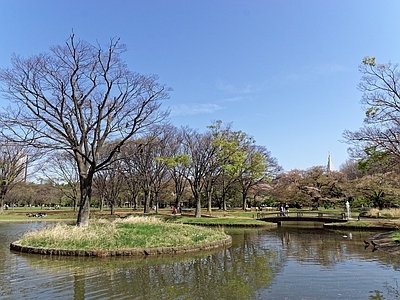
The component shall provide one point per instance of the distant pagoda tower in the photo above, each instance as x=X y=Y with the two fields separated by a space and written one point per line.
x=329 y=166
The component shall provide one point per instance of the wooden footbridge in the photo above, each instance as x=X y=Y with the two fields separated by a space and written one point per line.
x=302 y=216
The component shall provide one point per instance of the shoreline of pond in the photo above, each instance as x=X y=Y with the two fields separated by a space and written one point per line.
x=132 y=236
x=381 y=241
x=16 y=246
x=384 y=242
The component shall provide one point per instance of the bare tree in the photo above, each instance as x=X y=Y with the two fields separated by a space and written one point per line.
x=108 y=183
x=144 y=160
x=177 y=163
x=130 y=174
x=380 y=85
x=61 y=171
x=76 y=98
x=202 y=162
x=162 y=138
x=351 y=169
x=13 y=168
x=140 y=163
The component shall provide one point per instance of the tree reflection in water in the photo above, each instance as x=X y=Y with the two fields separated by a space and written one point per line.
x=214 y=275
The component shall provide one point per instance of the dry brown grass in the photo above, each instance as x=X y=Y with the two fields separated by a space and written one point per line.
x=62 y=233
x=139 y=219
x=385 y=213
x=131 y=232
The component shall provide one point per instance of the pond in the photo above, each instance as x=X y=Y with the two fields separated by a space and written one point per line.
x=276 y=263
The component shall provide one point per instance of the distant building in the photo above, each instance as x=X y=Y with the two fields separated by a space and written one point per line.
x=23 y=163
x=329 y=166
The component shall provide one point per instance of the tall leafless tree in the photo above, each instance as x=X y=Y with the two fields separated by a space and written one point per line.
x=144 y=160
x=61 y=171
x=13 y=168
x=177 y=163
x=162 y=140
x=130 y=173
x=108 y=183
x=202 y=153
x=76 y=98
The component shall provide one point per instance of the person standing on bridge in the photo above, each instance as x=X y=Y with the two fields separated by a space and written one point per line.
x=286 y=209
x=281 y=209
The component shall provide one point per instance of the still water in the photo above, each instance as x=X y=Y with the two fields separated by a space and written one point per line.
x=277 y=263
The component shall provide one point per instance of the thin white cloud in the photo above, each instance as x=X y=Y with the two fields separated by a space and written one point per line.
x=309 y=72
x=237 y=90
x=194 y=109
x=233 y=99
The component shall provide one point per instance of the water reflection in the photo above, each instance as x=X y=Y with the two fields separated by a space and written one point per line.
x=282 y=263
x=213 y=275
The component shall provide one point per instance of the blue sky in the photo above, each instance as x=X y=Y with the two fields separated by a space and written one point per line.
x=284 y=72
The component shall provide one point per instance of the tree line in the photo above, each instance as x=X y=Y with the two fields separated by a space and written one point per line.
x=94 y=125
x=166 y=166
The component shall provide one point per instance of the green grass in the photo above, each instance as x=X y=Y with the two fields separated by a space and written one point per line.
x=234 y=216
x=220 y=220
x=20 y=214
x=354 y=224
x=132 y=232
x=396 y=237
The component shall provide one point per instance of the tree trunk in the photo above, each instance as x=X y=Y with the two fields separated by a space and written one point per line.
x=146 y=202
x=3 y=192
x=155 y=200
x=244 y=204
x=101 y=202
x=198 y=207
x=223 y=195
x=135 y=201
x=223 y=201
x=244 y=201
x=178 y=198
x=84 y=207
x=209 y=194
x=315 y=203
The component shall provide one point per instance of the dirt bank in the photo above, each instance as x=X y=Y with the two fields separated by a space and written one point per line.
x=384 y=242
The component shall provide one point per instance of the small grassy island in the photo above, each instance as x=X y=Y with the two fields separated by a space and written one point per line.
x=123 y=237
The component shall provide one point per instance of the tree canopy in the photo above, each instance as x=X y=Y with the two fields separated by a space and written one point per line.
x=76 y=98
x=380 y=84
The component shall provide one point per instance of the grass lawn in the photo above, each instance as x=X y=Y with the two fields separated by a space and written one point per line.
x=219 y=221
x=355 y=224
x=396 y=237
x=215 y=217
x=27 y=214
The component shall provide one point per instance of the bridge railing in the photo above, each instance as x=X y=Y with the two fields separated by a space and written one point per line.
x=300 y=214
